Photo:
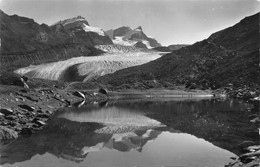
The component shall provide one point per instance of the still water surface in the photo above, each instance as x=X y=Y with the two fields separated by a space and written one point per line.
x=141 y=133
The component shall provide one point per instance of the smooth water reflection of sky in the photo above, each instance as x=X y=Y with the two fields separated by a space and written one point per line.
x=168 y=149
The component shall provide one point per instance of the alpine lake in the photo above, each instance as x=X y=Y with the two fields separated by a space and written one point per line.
x=146 y=132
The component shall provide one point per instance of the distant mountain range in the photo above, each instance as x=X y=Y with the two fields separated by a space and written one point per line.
x=227 y=57
x=23 y=35
x=132 y=37
x=25 y=42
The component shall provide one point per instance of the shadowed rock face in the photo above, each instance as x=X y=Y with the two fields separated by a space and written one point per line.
x=140 y=45
x=227 y=56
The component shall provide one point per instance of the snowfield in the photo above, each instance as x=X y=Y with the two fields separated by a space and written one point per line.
x=97 y=30
x=125 y=42
x=87 y=68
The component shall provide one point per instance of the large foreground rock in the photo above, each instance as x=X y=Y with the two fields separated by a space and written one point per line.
x=7 y=134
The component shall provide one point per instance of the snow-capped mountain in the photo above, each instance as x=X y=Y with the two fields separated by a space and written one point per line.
x=80 y=22
x=131 y=37
x=79 y=26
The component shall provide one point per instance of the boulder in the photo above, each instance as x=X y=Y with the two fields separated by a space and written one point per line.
x=11 y=117
x=25 y=85
x=257 y=98
x=40 y=123
x=7 y=134
x=255 y=120
x=6 y=111
x=28 y=108
x=79 y=94
x=103 y=91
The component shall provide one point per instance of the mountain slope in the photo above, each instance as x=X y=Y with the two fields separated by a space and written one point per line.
x=170 y=48
x=227 y=57
x=130 y=37
x=25 y=42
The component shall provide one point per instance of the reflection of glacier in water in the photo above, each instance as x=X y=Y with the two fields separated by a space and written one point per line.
x=116 y=120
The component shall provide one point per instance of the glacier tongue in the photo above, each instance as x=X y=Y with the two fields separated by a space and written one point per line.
x=87 y=68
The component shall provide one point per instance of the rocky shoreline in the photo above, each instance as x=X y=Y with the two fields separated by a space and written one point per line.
x=250 y=149
x=26 y=109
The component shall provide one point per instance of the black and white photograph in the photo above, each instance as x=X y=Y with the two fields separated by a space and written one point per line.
x=129 y=83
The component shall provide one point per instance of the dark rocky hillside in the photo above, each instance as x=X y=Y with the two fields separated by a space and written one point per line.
x=25 y=42
x=228 y=58
x=140 y=45
x=176 y=47
x=169 y=48
x=121 y=31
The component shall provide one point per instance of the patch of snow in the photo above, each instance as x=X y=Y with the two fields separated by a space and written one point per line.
x=122 y=41
x=147 y=43
x=147 y=133
x=73 y=21
x=93 y=29
x=150 y=37
x=95 y=148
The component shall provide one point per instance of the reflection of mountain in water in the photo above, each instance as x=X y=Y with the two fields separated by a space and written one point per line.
x=125 y=142
x=84 y=132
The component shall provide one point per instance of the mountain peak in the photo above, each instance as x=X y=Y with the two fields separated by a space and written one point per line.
x=80 y=17
x=139 y=28
x=72 y=20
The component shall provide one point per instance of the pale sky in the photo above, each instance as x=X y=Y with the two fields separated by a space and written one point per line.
x=168 y=21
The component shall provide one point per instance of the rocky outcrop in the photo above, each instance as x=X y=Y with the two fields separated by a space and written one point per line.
x=7 y=134
x=140 y=45
x=121 y=31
